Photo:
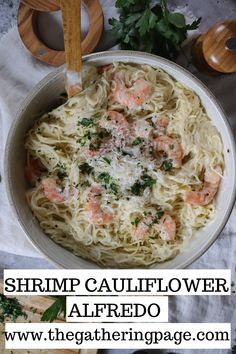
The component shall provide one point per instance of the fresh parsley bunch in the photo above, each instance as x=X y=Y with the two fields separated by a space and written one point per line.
x=150 y=29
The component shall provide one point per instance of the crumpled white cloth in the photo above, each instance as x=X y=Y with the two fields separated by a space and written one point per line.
x=19 y=72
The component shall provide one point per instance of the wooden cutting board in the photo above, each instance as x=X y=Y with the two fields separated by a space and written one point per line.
x=34 y=306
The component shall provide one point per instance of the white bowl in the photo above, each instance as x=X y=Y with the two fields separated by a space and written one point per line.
x=45 y=96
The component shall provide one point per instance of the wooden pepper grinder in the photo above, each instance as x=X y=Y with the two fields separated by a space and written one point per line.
x=215 y=51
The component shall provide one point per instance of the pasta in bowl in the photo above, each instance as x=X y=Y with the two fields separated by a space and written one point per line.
x=126 y=173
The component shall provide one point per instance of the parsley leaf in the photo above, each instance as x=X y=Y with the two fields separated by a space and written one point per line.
x=106 y=160
x=135 y=222
x=86 y=168
x=86 y=183
x=58 y=307
x=105 y=177
x=148 y=181
x=103 y=133
x=138 y=187
x=146 y=22
x=61 y=174
x=86 y=122
x=177 y=19
x=114 y=188
x=194 y=25
x=167 y=165
x=157 y=216
x=126 y=153
x=137 y=141
x=95 y=145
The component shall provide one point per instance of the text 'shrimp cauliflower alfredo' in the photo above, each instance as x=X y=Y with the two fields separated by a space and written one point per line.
x=127 y=171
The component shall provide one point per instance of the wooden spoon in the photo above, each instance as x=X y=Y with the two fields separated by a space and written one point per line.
x=42 y=5
x=71 y=16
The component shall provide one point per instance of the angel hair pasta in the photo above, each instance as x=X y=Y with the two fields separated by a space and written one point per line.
x=123 y=173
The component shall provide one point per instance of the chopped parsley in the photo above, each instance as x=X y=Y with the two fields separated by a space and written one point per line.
x=86 y=122
x=137 y=141
x=81 y=141
x=61 y=174
x=105 y=177
x=171 y=147
x=148 y=181
x=157 y=216
x=103 y=133
x=138 y=187
x=167 y=165
x=10 y=309
x=151 y=237
x=113 y=187
x=86 y=184
x=94 y=145
x=106 y=160
x=125 y=153
x=135 y=222
x=86 y=168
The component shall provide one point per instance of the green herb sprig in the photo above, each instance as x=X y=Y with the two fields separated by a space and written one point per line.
x=86 y=122
x=61 y=173
x=167 y=165
x=137 y=141
x=58 y=307
x=10 y=309
x=154 y=29
x=138 y=187
x=85 y=168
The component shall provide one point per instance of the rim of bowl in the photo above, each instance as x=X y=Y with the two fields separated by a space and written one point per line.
x=135 y=54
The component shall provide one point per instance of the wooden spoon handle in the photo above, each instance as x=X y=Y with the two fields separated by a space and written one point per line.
x=71 y=15
x=42 y=5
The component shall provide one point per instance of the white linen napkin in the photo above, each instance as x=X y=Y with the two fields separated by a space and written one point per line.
x=19 y=72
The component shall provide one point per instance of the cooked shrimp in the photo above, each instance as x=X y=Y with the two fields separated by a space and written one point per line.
x=166 y=228
x=119 y=128
x=102 y=150
x=133 y=96
x=171 y=147
x=142 y=129
x=94 y=210
x=33 y=170
x=116 y=123
x=142 y=228
x=210 y=187
x=54 y=192
x=161 y=124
